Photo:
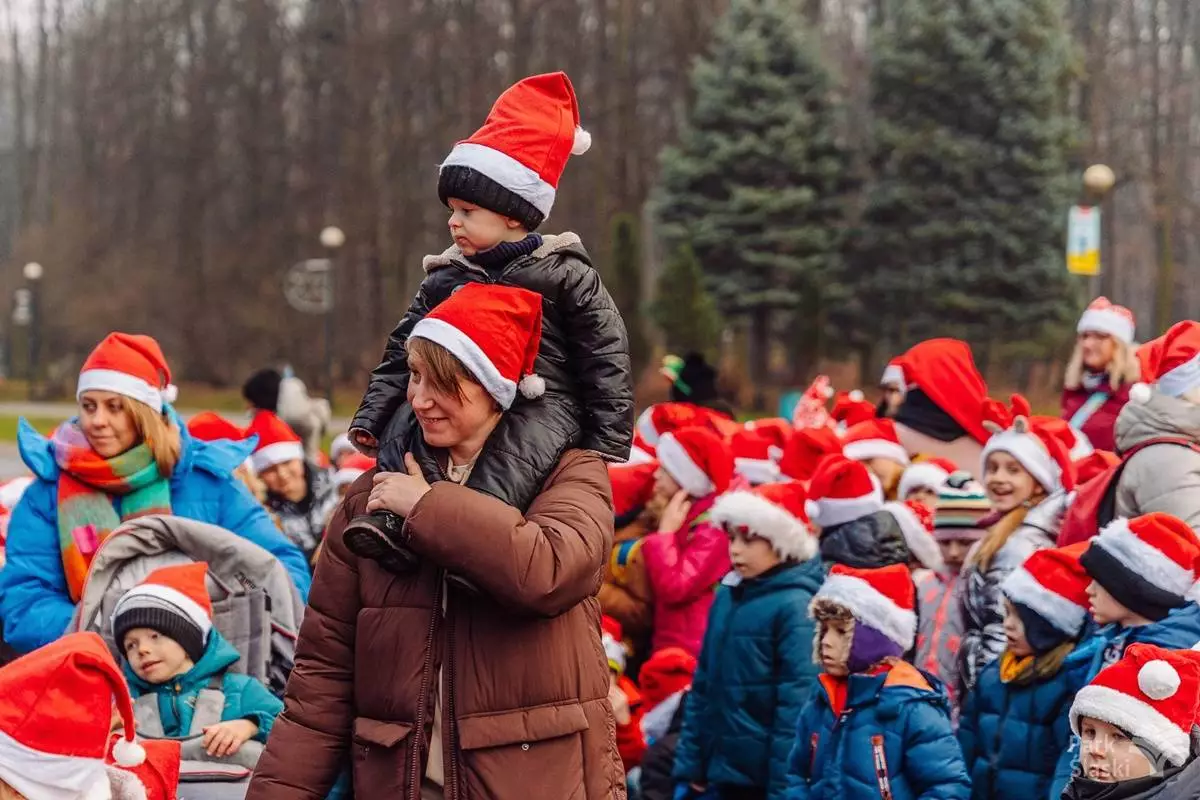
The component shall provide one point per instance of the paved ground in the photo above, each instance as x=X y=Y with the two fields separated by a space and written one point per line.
x=10 y=461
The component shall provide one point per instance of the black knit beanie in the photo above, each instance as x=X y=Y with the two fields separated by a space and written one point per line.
x=1039 y=633
x=261 y=389
x=166 y=619
x=473 y=186
x=1129 y=588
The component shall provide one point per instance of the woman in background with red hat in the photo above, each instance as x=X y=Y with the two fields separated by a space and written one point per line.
x=126 y=455
x=1101 y=371
x=464 y=660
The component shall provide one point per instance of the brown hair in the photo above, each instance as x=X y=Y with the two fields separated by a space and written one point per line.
x=440 y=367
x=1124 y=367
x=159 y=433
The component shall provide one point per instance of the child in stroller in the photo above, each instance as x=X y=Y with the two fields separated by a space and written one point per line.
x=145 y=578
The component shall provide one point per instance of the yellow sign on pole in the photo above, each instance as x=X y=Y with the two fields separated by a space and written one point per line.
x=1083 y=241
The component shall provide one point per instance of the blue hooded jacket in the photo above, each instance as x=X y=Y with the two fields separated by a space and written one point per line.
x=1013 y=736
x=245 y=697
x=1179 y=630
x=897 y=720
x=34 y=601
x=754 y=674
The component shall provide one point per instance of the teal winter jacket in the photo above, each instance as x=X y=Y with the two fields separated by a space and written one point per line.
x=245 y=697
x=754 y=674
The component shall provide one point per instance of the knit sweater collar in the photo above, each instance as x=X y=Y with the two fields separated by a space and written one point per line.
x=497 y=258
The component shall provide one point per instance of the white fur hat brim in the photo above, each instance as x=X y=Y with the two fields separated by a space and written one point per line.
x=1137 y=718
x=870 y=607
x=921 y=476
x=920 y=542
x=788 y=536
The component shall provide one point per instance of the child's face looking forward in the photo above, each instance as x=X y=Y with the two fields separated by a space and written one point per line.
x=1007 y=482
x=155 y=658
x=476 y=229
x=1109 y=755
x=836 y=636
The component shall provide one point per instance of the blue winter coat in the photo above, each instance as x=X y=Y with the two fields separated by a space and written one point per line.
x=1013 y=736
x=1179 y=630
x=754 y=674
x=245 y=697
x=34 y=601
x=900 y=718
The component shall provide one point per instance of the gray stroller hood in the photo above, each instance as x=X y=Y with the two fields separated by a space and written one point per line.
x=255 y=604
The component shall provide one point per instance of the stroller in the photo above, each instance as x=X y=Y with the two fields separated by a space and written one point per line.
x=255 y=607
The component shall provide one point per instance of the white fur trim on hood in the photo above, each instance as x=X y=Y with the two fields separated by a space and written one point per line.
x=789 y=536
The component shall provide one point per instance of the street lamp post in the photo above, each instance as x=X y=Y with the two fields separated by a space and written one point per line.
x=332 y=239
x=33 y=274
x=1098 y=182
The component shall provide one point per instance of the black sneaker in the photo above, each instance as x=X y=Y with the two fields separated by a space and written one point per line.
x=378 y=537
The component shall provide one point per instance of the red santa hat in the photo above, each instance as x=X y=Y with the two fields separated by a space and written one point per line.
x=883 y=599
x=355 y=466
x=157 y=777
x=632 y=485
x=611 y=635
x=893 y=376
x=173 y=601
x=1171 y=362
x=755 y=457
x=929 y=474
x=131 y=365
x=663 y=418
x=668 y=671
x=916 y=523
x=945 y=371
x=513 y=163
x=1104 y=317
x=842 y=490
x=773 y=512
x=1053 y=584
x=805 y=449
x=56 y=717
x=1152 y=694
x=777 y=429
x=1148 y=563
x=851 y=408
x=875 y=438
x=341 y=446
x=1038 y=443
x=277 y=442
x=209 y=426
x=697 y=459
x=495 y=331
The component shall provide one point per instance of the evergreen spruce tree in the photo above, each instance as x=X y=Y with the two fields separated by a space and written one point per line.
x=757 y=183
x=625 y=284
x=683 y=309
x=962 y=233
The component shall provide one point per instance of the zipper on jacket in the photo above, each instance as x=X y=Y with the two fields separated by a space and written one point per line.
x=175 y=704
x=414 y=792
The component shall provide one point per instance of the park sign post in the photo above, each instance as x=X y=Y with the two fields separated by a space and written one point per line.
x=1083 y=240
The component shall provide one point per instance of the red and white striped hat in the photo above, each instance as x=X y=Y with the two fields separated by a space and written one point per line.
x=883 y=599
x=774 y=512
x=874 y=438
x=523 y=146
x=495 y=331
x=697 y=459
x=755 y=457
x=277 y=442
x=842 y=490
x=131 y=365
x=1153 y=694
x=1102 y=316
x=929 y=474
x=1053 y=584
x=916 y=523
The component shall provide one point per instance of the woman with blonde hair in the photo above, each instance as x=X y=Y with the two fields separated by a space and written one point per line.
x=124 y=456
x=1101 y=371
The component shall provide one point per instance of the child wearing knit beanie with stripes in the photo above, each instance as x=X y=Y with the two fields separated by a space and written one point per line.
x=1014 y=727
x=874 y=726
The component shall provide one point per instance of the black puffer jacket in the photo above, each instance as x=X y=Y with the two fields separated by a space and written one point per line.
x=584 y=359
x=865 y=543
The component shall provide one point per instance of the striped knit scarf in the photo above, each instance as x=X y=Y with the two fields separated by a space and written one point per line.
x=86 y=487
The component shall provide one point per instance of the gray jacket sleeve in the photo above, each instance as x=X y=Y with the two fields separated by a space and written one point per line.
x=1163 y=478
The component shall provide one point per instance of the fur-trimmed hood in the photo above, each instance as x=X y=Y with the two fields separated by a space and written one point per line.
x=552 y=244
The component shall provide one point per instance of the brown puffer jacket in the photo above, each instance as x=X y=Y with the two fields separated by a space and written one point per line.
x=525 y=680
